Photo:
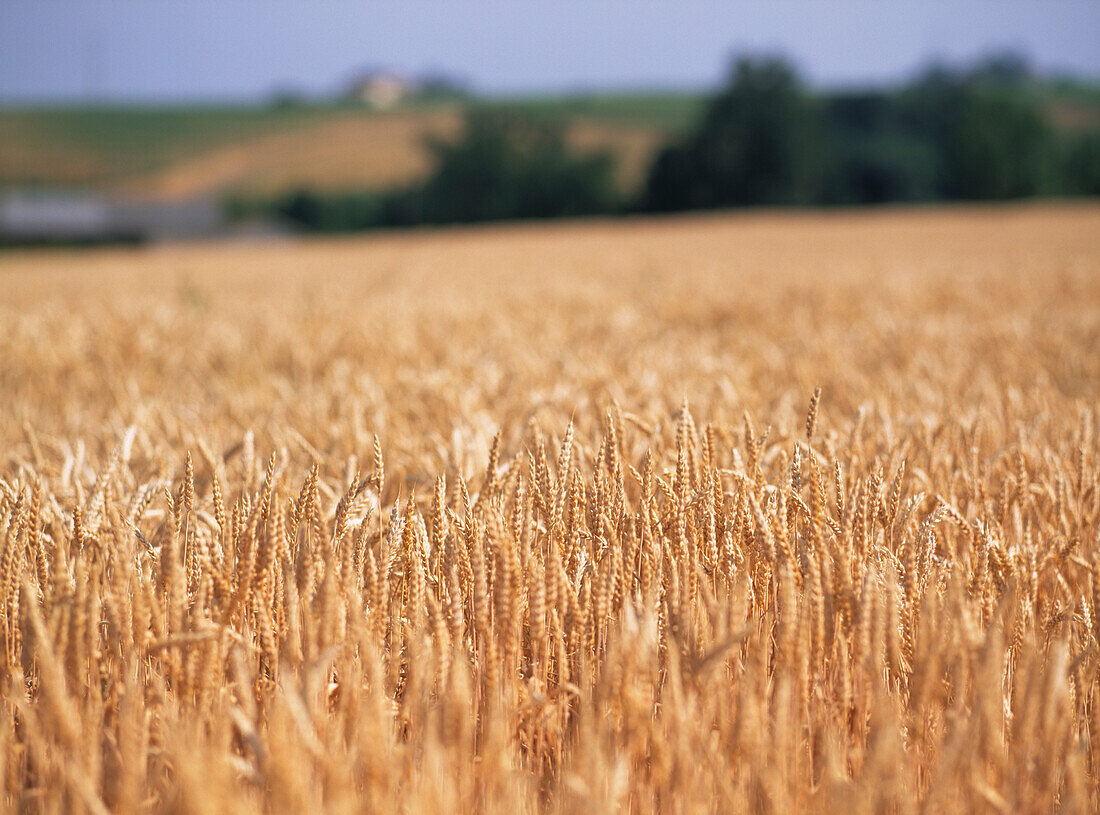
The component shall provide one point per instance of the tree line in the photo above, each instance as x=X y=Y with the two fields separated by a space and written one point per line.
x=764 y=139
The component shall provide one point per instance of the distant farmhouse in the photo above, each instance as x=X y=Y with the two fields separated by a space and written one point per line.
x=381 y=90
x=51 y=216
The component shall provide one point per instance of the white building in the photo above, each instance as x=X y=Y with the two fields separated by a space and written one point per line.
x=381 y=90
x=52 y=216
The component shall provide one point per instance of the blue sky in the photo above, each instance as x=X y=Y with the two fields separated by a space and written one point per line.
x=168 y=50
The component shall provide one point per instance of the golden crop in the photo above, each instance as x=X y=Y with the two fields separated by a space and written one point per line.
x=555 y=519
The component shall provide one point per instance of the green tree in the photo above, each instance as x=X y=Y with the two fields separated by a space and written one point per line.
x=508 y=166
x=874 y=153
x=758 y=144
x=1082 y=165
x=996 y=145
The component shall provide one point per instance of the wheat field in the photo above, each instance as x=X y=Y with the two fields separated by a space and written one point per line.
x=757 y=513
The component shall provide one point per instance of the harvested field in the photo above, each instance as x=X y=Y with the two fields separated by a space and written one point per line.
x=551 y=518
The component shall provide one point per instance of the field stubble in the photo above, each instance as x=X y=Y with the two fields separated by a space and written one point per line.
x=535 y=519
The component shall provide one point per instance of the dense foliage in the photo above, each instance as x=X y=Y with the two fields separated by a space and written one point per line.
x=758 y=143
x=765 y=140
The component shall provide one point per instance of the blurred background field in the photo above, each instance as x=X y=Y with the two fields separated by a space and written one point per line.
x=541 y=116
x=224 y=149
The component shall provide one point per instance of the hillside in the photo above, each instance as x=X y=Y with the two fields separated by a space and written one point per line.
x=182 y=152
